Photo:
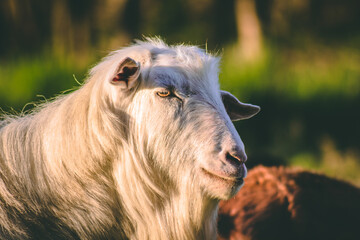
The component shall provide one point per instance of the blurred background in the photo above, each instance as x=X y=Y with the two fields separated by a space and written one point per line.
x=298 y=59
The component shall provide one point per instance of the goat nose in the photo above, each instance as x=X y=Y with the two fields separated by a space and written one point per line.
x=236 y=158
x=232 y=150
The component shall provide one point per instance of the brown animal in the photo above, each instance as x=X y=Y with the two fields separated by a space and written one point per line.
x=281 y=203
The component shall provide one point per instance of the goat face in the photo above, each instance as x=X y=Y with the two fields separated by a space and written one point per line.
x=181 y=120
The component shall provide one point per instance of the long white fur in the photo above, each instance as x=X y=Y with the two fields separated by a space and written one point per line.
x=110 y=166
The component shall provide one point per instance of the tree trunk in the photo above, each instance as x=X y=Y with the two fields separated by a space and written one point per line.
x=249 y=30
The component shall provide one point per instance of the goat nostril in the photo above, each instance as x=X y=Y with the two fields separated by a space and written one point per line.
x=235 y=159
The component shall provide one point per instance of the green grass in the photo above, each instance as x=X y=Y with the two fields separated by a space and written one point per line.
x=331 y=161
x=27 y=79
x=295 y=74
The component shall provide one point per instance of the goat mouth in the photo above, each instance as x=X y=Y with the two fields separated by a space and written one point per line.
x=232 y=180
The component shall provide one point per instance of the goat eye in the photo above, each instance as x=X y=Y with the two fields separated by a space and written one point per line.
x=163 y=93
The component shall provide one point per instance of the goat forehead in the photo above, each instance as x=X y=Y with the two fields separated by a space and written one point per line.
x=177 y=70
x=166 y=76
x=182 y=80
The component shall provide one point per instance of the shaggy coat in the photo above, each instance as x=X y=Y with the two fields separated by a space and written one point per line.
x=144 y=149
x=283 y=204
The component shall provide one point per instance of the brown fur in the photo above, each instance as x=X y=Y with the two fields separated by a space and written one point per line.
x=281 y=203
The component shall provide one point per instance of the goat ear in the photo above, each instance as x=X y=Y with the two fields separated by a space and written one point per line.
x=127 y=74
x=236 y=109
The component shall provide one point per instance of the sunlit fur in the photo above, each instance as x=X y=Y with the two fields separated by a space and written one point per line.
x=102 y=163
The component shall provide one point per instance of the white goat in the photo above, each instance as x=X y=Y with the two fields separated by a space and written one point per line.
x=145 y=149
